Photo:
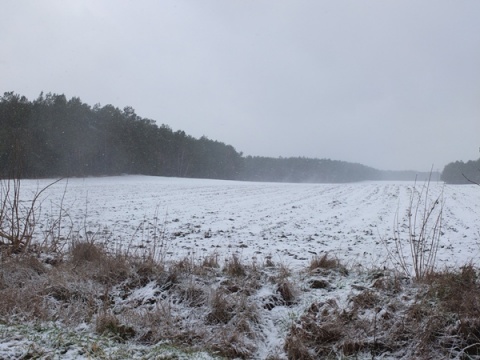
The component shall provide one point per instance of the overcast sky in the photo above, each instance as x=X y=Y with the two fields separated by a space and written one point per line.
x=389 y=84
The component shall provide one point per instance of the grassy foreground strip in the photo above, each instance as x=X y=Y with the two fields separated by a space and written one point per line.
x=88 y=303
x=48 y=341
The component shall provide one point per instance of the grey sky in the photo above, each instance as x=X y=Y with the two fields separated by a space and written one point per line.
x=390 y=84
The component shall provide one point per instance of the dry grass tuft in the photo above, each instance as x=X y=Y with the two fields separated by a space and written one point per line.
x=221 y=309
x=453 y=320
x=269 y=262
x=453 y=288
x=365 y=300
x=234 y=267
x=211 y=261
x=389 y=283
x=192 y=294
x=296 y=349
x=232 y=344
x=83 y=251
x=437 y=318
x=312 y=339
x=108 y=324
x=287 y=292
x=145 y=271
x=324 y=263
x=92 y=261
x=183 y=266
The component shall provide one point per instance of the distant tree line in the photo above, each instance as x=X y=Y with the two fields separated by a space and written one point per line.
x=52 y=136
x=459 y=172
x=300 y=169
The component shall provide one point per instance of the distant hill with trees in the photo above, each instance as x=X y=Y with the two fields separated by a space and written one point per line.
x=410 y=175
x=460 y=172
x=300 y=169
x=53 y=136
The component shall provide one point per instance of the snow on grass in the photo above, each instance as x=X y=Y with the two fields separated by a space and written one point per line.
x=276 y=232
x=48 y=341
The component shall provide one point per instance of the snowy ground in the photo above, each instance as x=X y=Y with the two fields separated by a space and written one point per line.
x=47 y=341
x=287 y=222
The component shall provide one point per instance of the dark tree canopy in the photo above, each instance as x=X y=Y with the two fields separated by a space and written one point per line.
x=459 y=172
x=53 y=136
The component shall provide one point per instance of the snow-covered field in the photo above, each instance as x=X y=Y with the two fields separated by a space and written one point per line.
x=288 y=223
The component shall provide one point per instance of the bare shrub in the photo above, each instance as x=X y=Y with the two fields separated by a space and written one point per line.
x=422 y=239
x=55 y=240
x=17 y=217
x=157 y=233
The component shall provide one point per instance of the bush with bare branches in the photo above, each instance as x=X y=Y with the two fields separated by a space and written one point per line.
x=18 y=217
x=415 y=245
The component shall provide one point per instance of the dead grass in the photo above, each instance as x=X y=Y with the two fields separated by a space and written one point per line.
x=311 y=339
x=145 y=271
x=222 y=310
x=83 y=251
x=234 y=267
x=211 y=261
x=367 y=299
x=456 y=299
x=205 y=306
x=92 y=261
x=437 y=318
x=107 y=323
x=287 y=292
x=325 y=263
x=232 y=345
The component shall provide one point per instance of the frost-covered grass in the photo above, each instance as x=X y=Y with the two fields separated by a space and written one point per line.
x=177 y=268
x=48 y=341
x=96 y=305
